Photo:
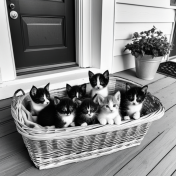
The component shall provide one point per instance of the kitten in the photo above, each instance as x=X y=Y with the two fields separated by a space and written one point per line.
x=109 y=111
x=40 y=98
x=60 y=113
x=76 y=91
x=99 y=83
x=87 y=112
x=132 y=101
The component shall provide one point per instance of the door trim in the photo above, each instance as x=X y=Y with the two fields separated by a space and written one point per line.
x=83 y=39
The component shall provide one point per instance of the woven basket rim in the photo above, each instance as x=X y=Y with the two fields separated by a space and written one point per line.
x=71 y=132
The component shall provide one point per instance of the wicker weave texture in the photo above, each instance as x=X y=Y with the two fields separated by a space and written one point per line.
x=54 y=147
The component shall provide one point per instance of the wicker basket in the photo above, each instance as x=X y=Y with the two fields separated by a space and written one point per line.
x=50 y=148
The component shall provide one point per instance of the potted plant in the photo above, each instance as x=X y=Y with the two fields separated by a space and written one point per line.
x=148 y=48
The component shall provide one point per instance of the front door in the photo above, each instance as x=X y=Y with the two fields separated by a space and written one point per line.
x=43 y=34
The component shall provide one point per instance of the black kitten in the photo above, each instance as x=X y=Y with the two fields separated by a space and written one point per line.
x=40 y=98
x=60 y=113
x=87 y=112
x=132 y=101
x=76 y=91
x=99 y=83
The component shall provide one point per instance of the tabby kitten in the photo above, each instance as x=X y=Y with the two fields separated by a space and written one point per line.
x=99 y=83
x=60 y=113
x=109 y=111
x=76 y=91
x=87 y=112
x=132 y=101
x=40 y=98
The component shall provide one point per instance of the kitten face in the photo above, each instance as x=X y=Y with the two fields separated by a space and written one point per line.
x=64 y=106
x=99 y=81
x=76 y=91
x=88 y=108
x=135 y=95
x=110 y=103
x=40 y=95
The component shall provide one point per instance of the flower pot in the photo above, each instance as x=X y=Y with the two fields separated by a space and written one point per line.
x=146 y=66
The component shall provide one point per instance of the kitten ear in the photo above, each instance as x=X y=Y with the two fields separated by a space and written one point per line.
x=47 y=87
x=33 y=91
x=68 y=87
x=83 y=87
x=144 y=89
x=128 y=87
x=90 y=74
x=117 y=96
x=100 y=99
x=56 y=100
x=106 y=74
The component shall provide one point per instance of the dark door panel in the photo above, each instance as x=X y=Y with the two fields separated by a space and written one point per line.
x=44 y=32
x=40 y=32
x=42 y=7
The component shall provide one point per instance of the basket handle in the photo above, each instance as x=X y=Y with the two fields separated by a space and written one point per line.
x=15 y=94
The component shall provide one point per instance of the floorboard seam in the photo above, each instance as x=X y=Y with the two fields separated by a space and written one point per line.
x=161 y=159
x=140 y=152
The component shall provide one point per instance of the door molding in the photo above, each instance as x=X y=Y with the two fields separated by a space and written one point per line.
x=83 y=39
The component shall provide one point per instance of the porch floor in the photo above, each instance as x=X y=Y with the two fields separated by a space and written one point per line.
x=155 y=156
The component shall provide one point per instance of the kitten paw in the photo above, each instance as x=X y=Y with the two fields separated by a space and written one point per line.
x=117 y=120
x=126 y=117
x=136 y=115
x=103 y=121
x=84 y=124
x=110 y=121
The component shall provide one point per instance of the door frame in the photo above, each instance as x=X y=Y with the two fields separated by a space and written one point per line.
x=91 y=50
x=82 y=12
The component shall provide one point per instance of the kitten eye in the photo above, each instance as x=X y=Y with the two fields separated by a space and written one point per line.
x=42 y=100
x=139 y=99
x=107 y=106
x=114 y=105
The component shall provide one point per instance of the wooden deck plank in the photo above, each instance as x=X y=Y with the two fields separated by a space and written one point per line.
x=10 y=144
x=143 y=163
x=167 y=95
x=5 y=114
x=15 y=164
x=131 y=75
x=163 y=83
x=5 y=111
x=174 y=173
x=106 y=165
x=7 y=127
x=166 y=166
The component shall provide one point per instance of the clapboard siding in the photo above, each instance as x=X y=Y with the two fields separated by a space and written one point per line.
x=134 y=18
x=125 y=30
x=132 y=13
x=123 y=62
x=153 y=3
x=119 y=46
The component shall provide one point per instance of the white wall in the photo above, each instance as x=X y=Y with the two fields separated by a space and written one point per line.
x=133 y=18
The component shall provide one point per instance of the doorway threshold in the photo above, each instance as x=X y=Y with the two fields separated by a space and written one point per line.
x=56 y=78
